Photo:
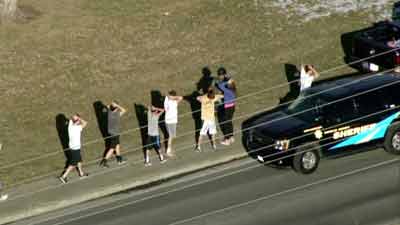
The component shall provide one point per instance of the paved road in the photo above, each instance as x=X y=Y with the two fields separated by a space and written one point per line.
x=343 y=191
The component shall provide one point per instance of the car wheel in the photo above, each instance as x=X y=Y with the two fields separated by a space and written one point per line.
x=306 y=162
x=392 y=139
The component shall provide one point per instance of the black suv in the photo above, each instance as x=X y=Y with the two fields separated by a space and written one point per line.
x=327 y=118
x=372 y=43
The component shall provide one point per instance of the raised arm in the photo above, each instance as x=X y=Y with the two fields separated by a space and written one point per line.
x=83 y=122
x=315 y=72
x=121 y=109
x=158 y=109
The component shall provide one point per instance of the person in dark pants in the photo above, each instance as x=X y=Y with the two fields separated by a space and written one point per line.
x=75 y=127
x=226 y=111
x=115 y=111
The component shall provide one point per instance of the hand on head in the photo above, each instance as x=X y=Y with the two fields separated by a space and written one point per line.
x=76 y=118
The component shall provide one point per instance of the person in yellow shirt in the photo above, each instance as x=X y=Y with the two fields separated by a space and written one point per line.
x=208 y=117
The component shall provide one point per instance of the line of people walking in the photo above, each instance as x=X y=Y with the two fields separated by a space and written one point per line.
x=224 y=84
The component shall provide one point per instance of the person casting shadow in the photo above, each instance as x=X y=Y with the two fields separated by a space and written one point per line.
x=157 y=100
x=62 y=130
x=292 y=74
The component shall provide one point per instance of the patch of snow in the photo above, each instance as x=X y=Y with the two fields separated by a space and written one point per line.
x=307 y=10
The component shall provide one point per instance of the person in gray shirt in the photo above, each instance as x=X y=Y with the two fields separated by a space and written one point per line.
x=153 y=139
x=115 y=111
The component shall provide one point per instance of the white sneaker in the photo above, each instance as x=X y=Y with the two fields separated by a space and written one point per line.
x=231 y=140
x=3 y=197
x=225 y=142
x=197 y=149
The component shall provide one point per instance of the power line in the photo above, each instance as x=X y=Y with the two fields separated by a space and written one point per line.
x=147 y=145
x=297 y=137
x=238 y=98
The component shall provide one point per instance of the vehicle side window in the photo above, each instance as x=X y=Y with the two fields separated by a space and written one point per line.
x=339 y=112
x=392 y=94
x=371 y=102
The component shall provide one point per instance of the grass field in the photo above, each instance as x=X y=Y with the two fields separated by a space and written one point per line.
x=79 y=51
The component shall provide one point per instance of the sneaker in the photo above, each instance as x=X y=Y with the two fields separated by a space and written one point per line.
x=121 y=160
x=225 y=142
x=214 y=147
x=197 y=149
x=147 y=164
x=104 y=164
x=232 y=140
x=63 y=180
x=163 y=161
x=85 y=175
x=3 y=197
x=170 y=154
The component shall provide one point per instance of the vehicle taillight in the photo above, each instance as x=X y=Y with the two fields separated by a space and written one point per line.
x=397 y=59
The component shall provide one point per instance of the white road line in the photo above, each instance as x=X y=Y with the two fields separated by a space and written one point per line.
x=285 y=192
x=223 y=167
x=224 y=209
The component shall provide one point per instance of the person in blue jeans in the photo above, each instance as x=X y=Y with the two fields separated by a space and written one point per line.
x=225 y=111
x=153 y=138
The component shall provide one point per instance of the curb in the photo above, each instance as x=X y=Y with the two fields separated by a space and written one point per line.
x=115 y=189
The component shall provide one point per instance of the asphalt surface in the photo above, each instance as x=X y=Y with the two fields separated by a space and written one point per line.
x=358 y=189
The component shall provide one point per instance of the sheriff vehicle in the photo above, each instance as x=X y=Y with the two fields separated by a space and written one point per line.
x=328 y=119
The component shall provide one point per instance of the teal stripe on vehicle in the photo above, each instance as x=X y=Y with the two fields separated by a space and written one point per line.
x=374 y=133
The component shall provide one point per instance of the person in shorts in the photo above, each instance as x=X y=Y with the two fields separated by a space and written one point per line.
x=75 y=127
x=153 y=138
x=171 y=117
x=115 y=111
x=209 y=126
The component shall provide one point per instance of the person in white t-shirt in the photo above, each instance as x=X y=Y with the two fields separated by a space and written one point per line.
x=308 y=74
x=171 y=117
x=75 y=127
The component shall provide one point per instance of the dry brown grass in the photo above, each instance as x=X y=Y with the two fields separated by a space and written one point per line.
x=80 y=51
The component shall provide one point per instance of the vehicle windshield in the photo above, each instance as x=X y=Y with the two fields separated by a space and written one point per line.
x=304 y=107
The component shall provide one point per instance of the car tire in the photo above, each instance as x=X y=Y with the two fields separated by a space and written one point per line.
x=391 y=143
x=305 y=161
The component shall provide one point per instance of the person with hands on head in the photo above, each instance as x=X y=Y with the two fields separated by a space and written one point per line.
x=75 y=128
x=153 y=138
x=115 y=112
x=308 y=74
x=208 y=117
x=171 y=117
x=225 y=111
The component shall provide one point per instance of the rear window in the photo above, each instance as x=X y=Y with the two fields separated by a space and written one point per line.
x=383 y=33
